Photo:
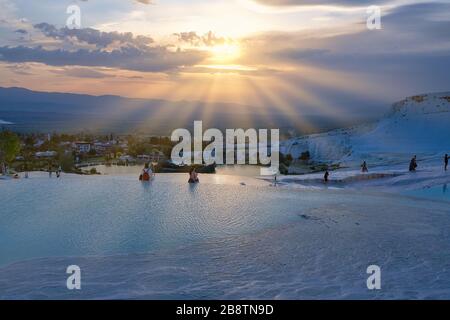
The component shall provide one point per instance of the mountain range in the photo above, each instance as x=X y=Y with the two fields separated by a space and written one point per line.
x=72 y=113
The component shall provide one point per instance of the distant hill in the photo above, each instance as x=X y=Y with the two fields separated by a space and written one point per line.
x=64 y=112
x=416 y=125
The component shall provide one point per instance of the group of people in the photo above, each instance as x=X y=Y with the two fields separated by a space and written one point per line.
x=364 y=169
x=148 y=174
x=412 y=167
x=58 y=172
x=413 y=163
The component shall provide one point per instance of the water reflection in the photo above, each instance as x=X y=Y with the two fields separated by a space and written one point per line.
x=435 y=192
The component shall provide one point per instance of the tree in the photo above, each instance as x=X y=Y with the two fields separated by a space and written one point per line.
x=9 y=146
x=67 y=163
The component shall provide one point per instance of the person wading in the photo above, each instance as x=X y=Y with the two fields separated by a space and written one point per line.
x=146 y=173
x=364 y=167
x=193 y=176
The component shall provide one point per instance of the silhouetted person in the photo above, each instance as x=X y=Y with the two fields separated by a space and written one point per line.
x=446 y=162
x=326 y=176
x=364 y=167
x=413 y=164
x=25 y=168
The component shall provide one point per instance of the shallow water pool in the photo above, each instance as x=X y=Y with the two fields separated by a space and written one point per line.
x=95 y=215
x=104 y=215
x=440 y=192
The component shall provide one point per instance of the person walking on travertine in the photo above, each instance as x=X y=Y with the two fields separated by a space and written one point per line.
x=364 y=167
x=326 y=176
x=413 y=164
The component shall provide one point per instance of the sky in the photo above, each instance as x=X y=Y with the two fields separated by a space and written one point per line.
x=298 y=57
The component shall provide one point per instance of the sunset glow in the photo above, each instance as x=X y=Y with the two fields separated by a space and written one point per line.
x=302 y=59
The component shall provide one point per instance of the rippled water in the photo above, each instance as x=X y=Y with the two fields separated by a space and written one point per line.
x=92 y=215
x=216 y=240
x=235 y=170
x=101 y=215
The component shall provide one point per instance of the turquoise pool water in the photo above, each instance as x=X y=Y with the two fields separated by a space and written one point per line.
x=226 y=238
x=95 y=215
x=440 y=192
x=106 y=215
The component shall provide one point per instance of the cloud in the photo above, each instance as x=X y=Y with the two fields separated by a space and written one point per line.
x=410 y=55
x=208 y=39
x=140 y=1
x=145 y=1
x=83 y=73
x=20 y=69
x=295 y=54
x=109 y=49
x=91 y=36
x=320 y=2
x=157 y=59
x=409 y=30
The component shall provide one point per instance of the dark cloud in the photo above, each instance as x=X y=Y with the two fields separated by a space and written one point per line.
x=112 y=49
x=94 y=37
x=149 y=60
x=409 y=30
x=409 y=55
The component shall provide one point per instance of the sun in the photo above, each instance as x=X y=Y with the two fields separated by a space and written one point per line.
x=225 y=53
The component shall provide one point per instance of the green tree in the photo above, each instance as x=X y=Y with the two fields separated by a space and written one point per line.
x=66 y=161
x=9 y=146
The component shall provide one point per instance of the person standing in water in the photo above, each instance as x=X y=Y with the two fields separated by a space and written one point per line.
x=25 y=169
x=413 y=164
x=49 y=170
x=58 y=172
x=146 y=173
x=326 y=176
x=193 y=176
x=364 y=167
x=446 y=162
